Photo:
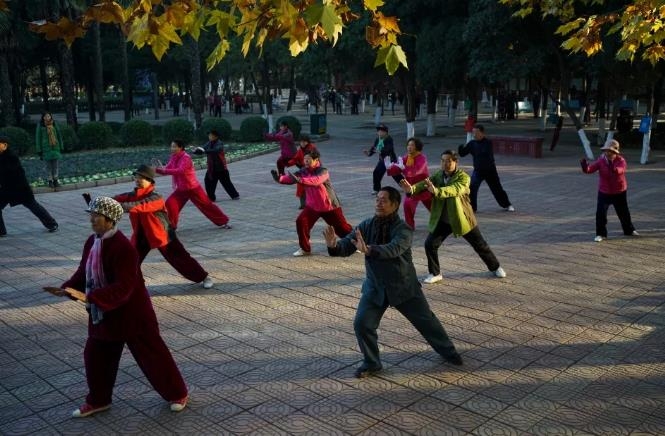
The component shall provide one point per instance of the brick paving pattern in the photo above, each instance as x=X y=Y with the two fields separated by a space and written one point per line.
x=570 y=343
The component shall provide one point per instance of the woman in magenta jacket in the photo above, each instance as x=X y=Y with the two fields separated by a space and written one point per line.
x=612 y=188
x=187 y=187
x=286 y=145
x=413 y=168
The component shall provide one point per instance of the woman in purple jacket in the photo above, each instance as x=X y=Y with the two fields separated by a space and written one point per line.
x=612 y=187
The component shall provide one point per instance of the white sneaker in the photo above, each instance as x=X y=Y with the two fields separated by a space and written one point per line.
x=431 y=278
x=207 y=283
x=500 y=273
x=301 y=252
x=510 y=208
x=634 y=233
x=598 y=238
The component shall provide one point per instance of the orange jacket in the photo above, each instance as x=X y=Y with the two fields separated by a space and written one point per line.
x=147 y=213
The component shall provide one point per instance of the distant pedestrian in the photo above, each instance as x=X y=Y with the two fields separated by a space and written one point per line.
x=175 y=104
x=321 y=201
x=218 y=170
x=383 y=145
x=49 y=144
x=187 y=187
x=109 y=281
x=152 y=229
x=15 y=189
x=451 y=214
x=390 y=280
x=612 y=189
x=484 y=169
x=412 y=167
x=218 y=105
x=287 y=148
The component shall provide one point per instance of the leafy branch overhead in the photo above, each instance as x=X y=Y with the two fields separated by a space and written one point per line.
x=160 y=23
x=640 y=25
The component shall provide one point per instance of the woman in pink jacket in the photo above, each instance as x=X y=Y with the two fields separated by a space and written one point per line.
x=187 y=187
x=320 y=201
x=612 y=187
x=413 y=168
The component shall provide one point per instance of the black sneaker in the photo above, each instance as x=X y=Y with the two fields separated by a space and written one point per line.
x=53 y=229
x=274 y=174
x=363 y=372
x=454 y=359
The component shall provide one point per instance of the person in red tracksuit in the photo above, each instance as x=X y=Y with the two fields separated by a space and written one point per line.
x=147 y=213
x=109 y=282
x=187 y=187
x=298 y=160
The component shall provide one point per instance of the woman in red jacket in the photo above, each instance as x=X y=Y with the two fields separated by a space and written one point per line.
x=120 y=312
x=187 y=187
x=298 y=160
x=147 y=213
x=286 y=145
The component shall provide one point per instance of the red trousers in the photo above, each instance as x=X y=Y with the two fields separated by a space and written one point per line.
x=150 y=352
x=177 y=200
x=176 y=255
x=308 y=217
x=410 y=205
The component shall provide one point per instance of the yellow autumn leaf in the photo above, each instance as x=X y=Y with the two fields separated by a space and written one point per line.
x=372 y=5
x=388 y=24
x=138 y=31
x=331 y=23
x=175 y=14
x=217 y=54
x=105 y=13
x=566 y=28
x=194 y=23
x=159 y=45
x=167 y=31
x=298 y=38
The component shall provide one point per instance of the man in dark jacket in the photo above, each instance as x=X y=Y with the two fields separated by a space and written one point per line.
x=390 y=280
x=218 y=171
x=383 y=145
x=484 y=168
x=14 y=189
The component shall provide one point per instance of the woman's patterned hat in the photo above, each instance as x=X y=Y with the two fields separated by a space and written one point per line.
x=106 y=206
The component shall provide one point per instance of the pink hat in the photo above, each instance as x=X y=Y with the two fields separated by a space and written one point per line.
x=612 y=145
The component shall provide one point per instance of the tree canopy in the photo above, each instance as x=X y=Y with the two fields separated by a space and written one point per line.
x=160 y=23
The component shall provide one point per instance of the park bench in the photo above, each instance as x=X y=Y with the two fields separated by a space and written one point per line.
x=527 y=145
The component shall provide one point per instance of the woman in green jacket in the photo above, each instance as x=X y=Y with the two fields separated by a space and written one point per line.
x=49 y=146
x=451 y=213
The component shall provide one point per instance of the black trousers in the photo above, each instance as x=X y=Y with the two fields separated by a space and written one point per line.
x=492 y=179
x=620 y=203
x=474 y=238
x=37 y=210
x=223 y=177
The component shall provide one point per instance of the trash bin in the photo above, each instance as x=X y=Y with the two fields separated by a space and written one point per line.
x=625 y=120
x=317 y=124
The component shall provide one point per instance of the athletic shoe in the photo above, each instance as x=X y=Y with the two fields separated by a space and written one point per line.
x=226 y=226
x=178 y=406
x=510 y=208
x=366 y=372
x=500 y=273
x=301 y=252
x=431 y=278
x=634 y=233
x=454 y=359
x=207 y=283
x=598 y=238
x=53 y=229
x=87 y=410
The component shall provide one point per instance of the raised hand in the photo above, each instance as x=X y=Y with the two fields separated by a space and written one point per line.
x=430 y=186
x=330 y=237
x=359 y=242
x=406 y=186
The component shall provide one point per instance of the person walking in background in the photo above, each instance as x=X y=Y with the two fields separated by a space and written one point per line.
x=298 y=160
x=48 y=142
x=383 y=145
x=187 y=187
x=413 y=168
x=15 y=189
x=451 y=213
x=152 y=229
x=612 y=189
x=390 y=280
x=287 y=146
x=109 y=281
x=484 y=169
x=218 y=170
x=320 y=201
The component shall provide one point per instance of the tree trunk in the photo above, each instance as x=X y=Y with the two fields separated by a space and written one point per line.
x=195 y=80
x=7 y=110
x=98 y=72
x=124 y=77
x=432 y=95
x=67 y=83
x=292 y=88
x=43 y=79
x=90 y=93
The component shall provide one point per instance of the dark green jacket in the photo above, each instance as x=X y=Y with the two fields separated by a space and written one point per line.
x=44 y=148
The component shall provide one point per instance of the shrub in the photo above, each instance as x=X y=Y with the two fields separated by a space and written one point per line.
x=253 y=128
x=293 y=123
x=30 y=126
x=178 y=129
x=19 y=140
x=219 y=124
x=70 y=140
x=115 y=126
x=95 y=135
x=136 y=133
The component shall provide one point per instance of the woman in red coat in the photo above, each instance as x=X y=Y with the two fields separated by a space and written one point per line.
x=120 y=312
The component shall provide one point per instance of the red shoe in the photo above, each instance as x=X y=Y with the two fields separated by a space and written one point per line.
x=179 y=405
x=87 y=410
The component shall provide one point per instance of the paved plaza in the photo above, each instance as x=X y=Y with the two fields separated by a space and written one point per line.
x=572 y=342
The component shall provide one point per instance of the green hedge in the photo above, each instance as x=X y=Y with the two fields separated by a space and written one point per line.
x=253 y=128
x=95 y=134
x=70 y=139
x=178 y=129
x=219 y=124
x=19 y=140
x=293 y=123
x=136 y=133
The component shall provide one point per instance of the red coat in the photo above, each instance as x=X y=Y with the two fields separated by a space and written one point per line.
x=181 y=167
x=147 y=213
x=125 y=300
x=299 y=158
